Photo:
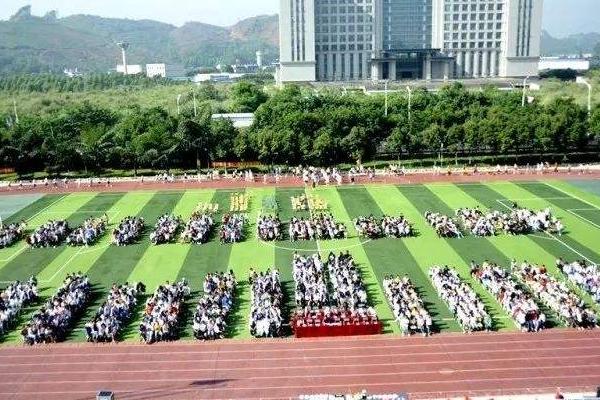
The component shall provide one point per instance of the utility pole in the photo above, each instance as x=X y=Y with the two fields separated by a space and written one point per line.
x=178 y=99
x=15 y=111
x=386 y=98
x=524 y=90
x=582 y=81
x=195 y=108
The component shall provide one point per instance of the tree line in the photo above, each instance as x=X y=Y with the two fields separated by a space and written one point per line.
x=294 y=125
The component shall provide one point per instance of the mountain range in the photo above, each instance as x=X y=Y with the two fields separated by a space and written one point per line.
x=33 y=44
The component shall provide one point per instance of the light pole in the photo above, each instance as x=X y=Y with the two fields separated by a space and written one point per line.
x=524 y=90
x=178 y=99
x=386 y=98
x=195 y=108
x=409 y=90
x=581 y=80
x=15 y=111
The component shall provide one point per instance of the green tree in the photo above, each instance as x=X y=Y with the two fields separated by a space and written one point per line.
x=247 y=97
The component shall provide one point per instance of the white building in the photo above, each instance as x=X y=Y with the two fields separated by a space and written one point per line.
x=346 y=40
x=171 y=71
x=132 y=69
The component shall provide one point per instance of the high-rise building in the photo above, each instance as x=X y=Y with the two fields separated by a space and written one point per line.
x=346 y=40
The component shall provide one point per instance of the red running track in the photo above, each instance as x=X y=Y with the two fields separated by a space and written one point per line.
x=435 y=367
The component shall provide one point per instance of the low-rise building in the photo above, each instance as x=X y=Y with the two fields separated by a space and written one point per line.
x=169 y=71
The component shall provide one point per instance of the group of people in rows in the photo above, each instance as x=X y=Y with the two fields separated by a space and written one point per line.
x=11 y=233
x=444 y=225
x=165 y=229
x=266 y=299
x=268 y=228
x=393 y=227
x=515 y=222
x=584 y=274
x=52 y=322
x=88 y=232
x=232 y=228
x=198 y=229
x=464 y=303
x=113 y=313
x=407 y=305
x=517 y=302
x=349 y=291
x=13 y=299
x=162 y=311
x=210 y=318
x=317 y=227
x=128 y=231
x=51 y=234
x=556 y=295
x=310 y=282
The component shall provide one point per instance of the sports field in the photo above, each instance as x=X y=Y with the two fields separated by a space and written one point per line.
x=577 y=204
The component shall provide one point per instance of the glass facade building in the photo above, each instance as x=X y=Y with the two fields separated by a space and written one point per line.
x=406 y=24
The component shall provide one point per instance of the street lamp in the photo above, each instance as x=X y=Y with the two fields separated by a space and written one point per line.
x=409 y=90
x=524 y=89
x=386 y=98
x=178 y=99
x=581 y=80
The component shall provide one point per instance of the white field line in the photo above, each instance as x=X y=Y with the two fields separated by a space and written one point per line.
x=572 y=196
x=16 y=253
x=575 y=213
x=501 y=201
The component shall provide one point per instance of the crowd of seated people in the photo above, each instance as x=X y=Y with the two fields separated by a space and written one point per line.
x=348 y=288
x=396 y=227
x=13 y=299
x=368 y=227
x=165 y=229
x=515 y=222
x=128 y=231
x=210 y=319
x=476 y=221
x=161 y=315
x=269 y=228
x=198 y=229
x=52 y=322
x=232 y=228
x=9 y=234
x=318 y=227
x=88 y=232
x=113 y=313
x=310 y=283
x=583 y=274
x=518 y=303
x=556 y=295
x=407 y=306
x=266 y=299
x=444 y=226
x=51 y=234
x=461 y=299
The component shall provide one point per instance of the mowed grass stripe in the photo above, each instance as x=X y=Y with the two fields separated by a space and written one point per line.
x=408 y=256
x=579 y=232
x=585 y=190
x=202 y=259
x=162 y=263
x=353 y=244
x=102 y=203
x=115 y=264
x=284 y=250
x=31 y=208
x=32 y=215
x=32 y=260
x=553 y=248
x=250 y=253
x=129 y=205
x=469 y=248
x=530 y=248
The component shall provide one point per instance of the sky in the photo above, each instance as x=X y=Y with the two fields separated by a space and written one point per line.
x=561 y=17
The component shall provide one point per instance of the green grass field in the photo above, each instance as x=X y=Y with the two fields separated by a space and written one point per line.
x=576 y=203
